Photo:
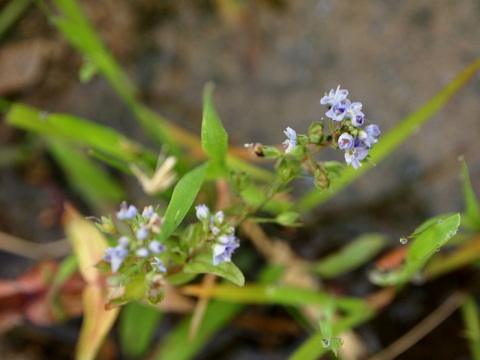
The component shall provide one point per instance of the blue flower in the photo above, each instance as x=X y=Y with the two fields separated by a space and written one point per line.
x=338 y=111
x=126 y=212
x=356 y=153
x=355 y=114
x=334 y=97
x=222 y=251
x=156 y=247
x=345 y=141
x=291 y=141
x=148 y=211
x=142 y=233
x=142 y=252
x=202 y=212
x=369 y=135
x=158 y=265
x=115 y=256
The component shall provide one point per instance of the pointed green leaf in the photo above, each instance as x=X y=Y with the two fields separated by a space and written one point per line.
x=182 y=199
x=214 y=136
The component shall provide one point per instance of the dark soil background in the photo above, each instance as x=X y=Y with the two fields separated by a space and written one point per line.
x=271 y=61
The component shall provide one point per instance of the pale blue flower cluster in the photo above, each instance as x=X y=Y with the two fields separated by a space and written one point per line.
x=143 y=244
x=355 y=140
x=223 y=235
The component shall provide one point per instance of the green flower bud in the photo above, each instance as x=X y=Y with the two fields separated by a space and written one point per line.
x=315 y=132
x=289 y=218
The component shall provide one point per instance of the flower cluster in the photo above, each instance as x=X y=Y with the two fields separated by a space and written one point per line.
x=347 y=125
x=355 y=140
x=142 y=242
x=222 y=234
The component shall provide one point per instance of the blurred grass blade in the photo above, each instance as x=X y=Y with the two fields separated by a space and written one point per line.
x=182 y=199
x=390 y=141
x=11 y=12
x=74 y=25
x=471 y=216
x=176 y=344
x=89 y=245
x=471 y=321
x=269 y=294
x=90 y=180
x=80 y=131
x=353 y=255
x=137 y=327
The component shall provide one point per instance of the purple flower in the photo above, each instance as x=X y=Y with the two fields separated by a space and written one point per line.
x=148 y=211
x=115 y=256
x=345 y=141
x=156 y=247
x=142 y=252
x=202 y=212
x=334 y=96
x=355 y=114
x=124 y=241
x=158 y=265
x=338 y=111
x=356 y=153
x=222 y=251
x=291 y=141
x=142 y=233
x=126 y=212
x=369 y=135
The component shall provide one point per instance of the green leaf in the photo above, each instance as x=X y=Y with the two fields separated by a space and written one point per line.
x=352 y=256
x=214 y=136
x=428 y=238
x=471 y=216
x=182 y=199
x=390 y=141
x=228 y=270
x=138 y=324
x=433 y=237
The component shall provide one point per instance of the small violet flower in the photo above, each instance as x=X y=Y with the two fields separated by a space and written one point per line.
x=202 y=212
x=126 y=212
x=338 y=111
x=222 y=251
x=148 y=211
x=142 y=252
x=369 y=135
x=142 y=233
x=291 y=141
x=355 y=114
x=345 y=141
x=158 y=265
x=334 y=96
x=115 y=256
x=156 y=247
x=356 y=153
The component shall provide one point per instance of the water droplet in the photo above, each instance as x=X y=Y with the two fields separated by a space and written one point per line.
x=440 y=222
x=43 y=115
x=403 y=240
x=437 y=249
x=326 y=343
